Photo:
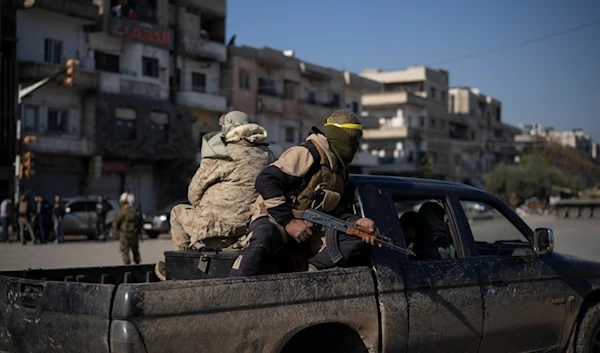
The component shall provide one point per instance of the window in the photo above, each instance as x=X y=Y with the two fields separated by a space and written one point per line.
x=355 y=107
x=432 y=90
x=53 y=51
x=492 y=232
x=432 y=123
x=426 y=225
x=422 y=121
x=267 y=87
x=149 y=67
x=473 y=135
x=125 y=124
x=312 y=97
x=77 y=207
x=452 y=99
x=244 y=80
x=159 y=127
x=498 y=114
x=335 y=101
x=198 y=82
x=106 y=62
x=443 y=97
x=290 y=135
x=30 y=118
x=57 y=120
x=443 y=124
x=288 y=87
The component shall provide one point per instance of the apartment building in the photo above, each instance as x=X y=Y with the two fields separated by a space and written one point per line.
x=62 y=118
x=288 y=96
x=478 y=137
x=532 y=135
x=407 y=121
x=149 y=73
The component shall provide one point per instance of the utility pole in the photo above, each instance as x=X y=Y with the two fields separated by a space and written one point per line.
x=26 y=169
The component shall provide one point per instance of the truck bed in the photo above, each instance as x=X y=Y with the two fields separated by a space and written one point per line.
x=49 y=310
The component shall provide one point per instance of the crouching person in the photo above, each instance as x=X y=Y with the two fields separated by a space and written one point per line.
x=222 y=190
x=127 y=224
x=317 y=167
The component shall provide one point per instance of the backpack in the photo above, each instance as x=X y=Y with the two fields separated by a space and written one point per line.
x=128 y=224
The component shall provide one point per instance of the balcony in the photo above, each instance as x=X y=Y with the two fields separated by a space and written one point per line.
x=315 y=110
x=206 y=101
x=83 y=9
x=214 y=7
x=397 y=166
x=63 y=145
x=391 y=133
x=268 y=57
x=203 y=48
x=314 y=72
x=127 y=85
x=34 y=71
x=143 y=32
x=388 y=99
x=269 y=103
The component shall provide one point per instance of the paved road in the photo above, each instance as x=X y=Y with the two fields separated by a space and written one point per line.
x=581 y=238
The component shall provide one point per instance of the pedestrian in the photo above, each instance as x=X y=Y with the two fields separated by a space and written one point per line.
x=24 y=218
x=312 y=175
x=101 y=212
x=6 y=216
x=42 y=217
x=127 y=196
x=127 y=224
x=58 y=210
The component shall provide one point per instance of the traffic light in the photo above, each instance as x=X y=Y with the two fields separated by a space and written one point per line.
x=71 y=63
x=28 y=139
x=28 y=165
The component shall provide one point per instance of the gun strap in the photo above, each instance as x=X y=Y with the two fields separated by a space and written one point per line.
x=333 y=246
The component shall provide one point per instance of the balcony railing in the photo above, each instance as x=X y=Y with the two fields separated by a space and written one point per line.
x=206 y=101
x=34 y=71
x=203 y=48
x=65 y=145
x=83 y=9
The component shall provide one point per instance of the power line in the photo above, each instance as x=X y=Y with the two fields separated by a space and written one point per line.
x=515 y=45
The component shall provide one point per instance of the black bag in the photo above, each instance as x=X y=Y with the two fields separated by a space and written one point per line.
x=198 y=264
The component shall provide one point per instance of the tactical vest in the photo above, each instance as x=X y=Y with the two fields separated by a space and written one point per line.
x=129 y=220
x=329 y=182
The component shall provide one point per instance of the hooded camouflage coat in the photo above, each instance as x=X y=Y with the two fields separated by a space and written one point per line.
x=222 y=190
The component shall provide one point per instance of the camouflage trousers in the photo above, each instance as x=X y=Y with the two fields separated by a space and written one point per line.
x=129 y=242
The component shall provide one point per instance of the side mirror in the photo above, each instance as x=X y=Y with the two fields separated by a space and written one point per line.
x=543 y=241
x=68 y=210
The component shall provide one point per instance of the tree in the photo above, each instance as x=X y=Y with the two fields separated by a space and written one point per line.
x=534 y=176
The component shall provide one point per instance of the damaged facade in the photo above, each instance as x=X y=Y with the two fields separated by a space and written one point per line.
x=130 y=119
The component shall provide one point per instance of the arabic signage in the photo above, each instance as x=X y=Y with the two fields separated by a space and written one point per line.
x=143 y=32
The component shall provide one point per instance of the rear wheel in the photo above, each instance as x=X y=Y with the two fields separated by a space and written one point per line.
x=588 y=332
x=586 y=212
x=152 y=235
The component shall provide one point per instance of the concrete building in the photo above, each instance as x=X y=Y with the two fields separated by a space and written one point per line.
x=478 y=137
x=408 y=121
x=532 y=135
x=288 y=96
x=149 y=76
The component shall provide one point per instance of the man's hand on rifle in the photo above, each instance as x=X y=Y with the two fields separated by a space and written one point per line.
x=368 y=225
x=298 y=229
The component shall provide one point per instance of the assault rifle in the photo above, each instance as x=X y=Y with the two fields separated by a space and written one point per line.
x=332 y=223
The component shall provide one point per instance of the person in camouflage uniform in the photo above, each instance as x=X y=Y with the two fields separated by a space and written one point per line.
x=127 y=223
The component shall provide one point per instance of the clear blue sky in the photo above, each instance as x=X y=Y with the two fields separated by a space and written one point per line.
x=555 y=82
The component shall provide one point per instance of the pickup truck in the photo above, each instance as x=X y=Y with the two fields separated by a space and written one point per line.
x=503 y=289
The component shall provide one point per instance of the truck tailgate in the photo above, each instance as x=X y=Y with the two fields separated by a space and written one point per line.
x=52 y=316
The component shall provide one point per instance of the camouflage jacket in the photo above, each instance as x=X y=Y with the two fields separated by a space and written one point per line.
x=222 y=190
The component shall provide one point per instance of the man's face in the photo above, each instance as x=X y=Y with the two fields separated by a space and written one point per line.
x=100 y=199
x=57 y=198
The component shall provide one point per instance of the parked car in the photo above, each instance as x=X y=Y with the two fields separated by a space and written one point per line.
x=505 y=290
x=80 y=217
x=157 y=222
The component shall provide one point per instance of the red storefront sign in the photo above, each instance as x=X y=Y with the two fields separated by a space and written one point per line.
x=142 y=31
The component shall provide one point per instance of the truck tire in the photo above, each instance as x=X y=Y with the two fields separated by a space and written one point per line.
x=326 y=338
x=586 y=212
x=574 y=212
x=562 y=212
x=588 y=331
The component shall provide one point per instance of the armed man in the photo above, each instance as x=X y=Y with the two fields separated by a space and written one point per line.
x=313 y=175
x=127 y=223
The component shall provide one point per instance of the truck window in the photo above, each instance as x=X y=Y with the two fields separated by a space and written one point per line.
x=493 y=233
x=426 y=226
x=77 y=207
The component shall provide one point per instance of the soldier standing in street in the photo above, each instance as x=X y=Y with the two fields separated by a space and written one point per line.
x=101 y=211
x=127 y=224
